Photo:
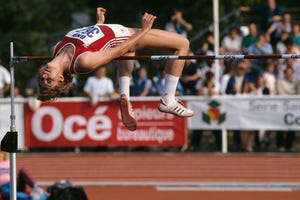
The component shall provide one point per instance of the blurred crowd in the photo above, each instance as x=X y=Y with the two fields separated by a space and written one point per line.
x=276 y=33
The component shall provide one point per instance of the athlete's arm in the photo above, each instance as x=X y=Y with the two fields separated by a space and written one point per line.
x=91 y=60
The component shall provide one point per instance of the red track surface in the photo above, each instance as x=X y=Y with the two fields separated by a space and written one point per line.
x=177 y=168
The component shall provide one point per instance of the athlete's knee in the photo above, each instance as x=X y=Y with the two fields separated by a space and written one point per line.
x=184 y=43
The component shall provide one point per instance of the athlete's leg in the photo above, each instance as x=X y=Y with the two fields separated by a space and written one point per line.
x=164 y=40
x=178 y=45
x=125 y=68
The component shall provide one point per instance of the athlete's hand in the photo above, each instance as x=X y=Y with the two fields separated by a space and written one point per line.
x=147 y=21
x=100 y=15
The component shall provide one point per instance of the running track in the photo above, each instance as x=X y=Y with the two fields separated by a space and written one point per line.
x=171 y=176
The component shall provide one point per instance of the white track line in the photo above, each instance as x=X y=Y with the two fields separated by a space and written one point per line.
x=194 y=186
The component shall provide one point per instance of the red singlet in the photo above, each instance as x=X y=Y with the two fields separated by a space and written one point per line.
x=93 y=38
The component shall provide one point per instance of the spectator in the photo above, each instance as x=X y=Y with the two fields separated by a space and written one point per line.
x=189 y=77
x=278 y=27
x=32 y=87
x=290 y=63
x=260 y=87
x=232 y=42
x=206 y=88
x=99 y=86
x=159 y=82
x=24 y=179
x=269 y=77
x=229 y=71
x=65 y=190
x=286 y=86
x=262 y=46
x=280 y=46
x=251 y=38
x=262 y=137
x=286 y=23
x=17 y=92
x=248 y=136
x=178 y=24
x=247 y=139
x=32 y=90
x=4 y=80
x=208 y=44
x=285 y=141
x=269 y=13
x=296 y=34
x=209 y=65
x=291 y=48
x=141 y=83
x=73 y=91
x=238 y=83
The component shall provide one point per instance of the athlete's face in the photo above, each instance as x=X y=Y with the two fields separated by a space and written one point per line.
x=49 y=76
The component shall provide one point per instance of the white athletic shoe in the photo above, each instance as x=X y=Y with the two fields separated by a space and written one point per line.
x=127 y=114
x=176 y=109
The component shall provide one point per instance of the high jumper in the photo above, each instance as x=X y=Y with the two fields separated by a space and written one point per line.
x=83 y=50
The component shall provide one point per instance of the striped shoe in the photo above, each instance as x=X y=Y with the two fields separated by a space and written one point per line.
x=176 y=109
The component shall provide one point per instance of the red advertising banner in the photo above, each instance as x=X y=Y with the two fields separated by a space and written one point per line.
x=68 y=124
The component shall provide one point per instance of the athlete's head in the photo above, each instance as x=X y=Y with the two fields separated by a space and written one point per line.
x=52 y=83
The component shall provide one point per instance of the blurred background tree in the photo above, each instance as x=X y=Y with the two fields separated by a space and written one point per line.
x=36 y=25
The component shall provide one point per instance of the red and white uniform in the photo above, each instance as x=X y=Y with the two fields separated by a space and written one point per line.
x=93 y=38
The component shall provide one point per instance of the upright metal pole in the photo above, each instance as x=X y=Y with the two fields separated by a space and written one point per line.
x=217 y=63
x=216 y=37
x=12 y=156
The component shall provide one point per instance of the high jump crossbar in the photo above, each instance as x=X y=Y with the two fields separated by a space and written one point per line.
x=18 y=59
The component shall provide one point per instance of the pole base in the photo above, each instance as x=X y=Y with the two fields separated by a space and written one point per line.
x=9 y=142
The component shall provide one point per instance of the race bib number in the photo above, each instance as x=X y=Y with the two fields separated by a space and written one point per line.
x=87 y=35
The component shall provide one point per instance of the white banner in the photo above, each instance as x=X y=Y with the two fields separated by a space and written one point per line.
x=246 y=112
